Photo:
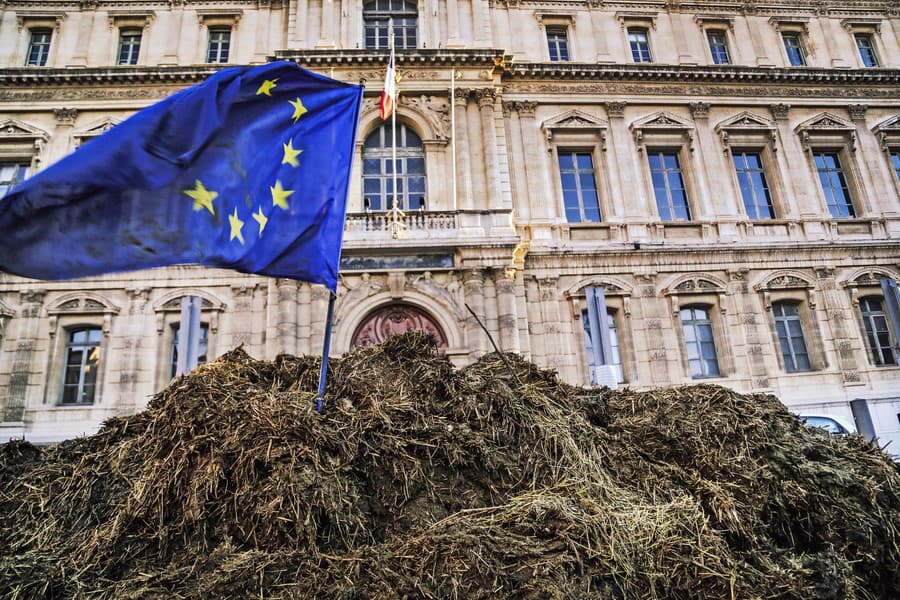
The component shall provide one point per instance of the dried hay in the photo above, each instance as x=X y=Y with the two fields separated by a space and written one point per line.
x=422 y=481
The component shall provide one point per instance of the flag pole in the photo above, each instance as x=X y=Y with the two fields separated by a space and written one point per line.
x=326 y=348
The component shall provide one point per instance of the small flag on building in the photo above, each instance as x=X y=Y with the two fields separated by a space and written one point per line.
x=389 y=94
x=248 y=171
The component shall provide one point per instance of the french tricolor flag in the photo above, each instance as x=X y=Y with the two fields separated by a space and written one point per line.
x=389 y=95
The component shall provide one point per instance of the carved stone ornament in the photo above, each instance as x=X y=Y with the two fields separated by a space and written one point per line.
x=888 y=132
x=826 y=124
x=787 y=282
x=14 y=130
x=577 y=122
x=616 y=109
x=857 y=111
x=699 y=110
x=662 y=124
x=697 y=285
x=436 y=112
x=747 y=125
x=780 y=112
x=65 y=116
x=868 y=279
x=395 y=319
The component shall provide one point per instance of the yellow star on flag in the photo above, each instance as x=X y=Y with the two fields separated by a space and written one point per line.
x=267 y=86
x=236 y=226
x=203 y=198
x=280 y=195
x=299 y=109
x=291 y=154
x=260 y=218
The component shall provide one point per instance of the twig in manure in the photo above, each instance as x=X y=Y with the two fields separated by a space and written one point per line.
x=496 y=349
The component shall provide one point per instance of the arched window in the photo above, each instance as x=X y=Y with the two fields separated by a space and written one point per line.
x=378 y=176
x=377 y=16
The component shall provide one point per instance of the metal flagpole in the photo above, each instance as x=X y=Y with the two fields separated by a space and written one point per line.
x=326 y=347
x=395 y=222
x=453 y=129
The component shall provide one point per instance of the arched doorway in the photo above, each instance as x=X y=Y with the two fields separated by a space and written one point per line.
x=392 y=319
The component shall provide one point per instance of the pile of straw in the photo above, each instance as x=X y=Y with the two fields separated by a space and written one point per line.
x=422 y=481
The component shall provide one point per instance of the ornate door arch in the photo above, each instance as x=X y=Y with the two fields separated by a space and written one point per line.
x=393 y=319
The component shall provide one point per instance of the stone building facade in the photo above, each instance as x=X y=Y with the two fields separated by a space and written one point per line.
x=727 y=174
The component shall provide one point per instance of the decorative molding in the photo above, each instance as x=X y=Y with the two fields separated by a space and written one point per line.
x=780 y=112
x=37 y=18
x=744 y=127
x=647 y=19
x=699 y=110
x=826 y=125
x=862 y=24
x=888 y=132
x=219 y=16
x=705 y=20
x=615 y=109
x=662 y=124
x=576 y=122
x=857 y=111
x=65 y=116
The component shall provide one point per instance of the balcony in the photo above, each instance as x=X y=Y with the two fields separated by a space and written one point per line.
x=430 y=228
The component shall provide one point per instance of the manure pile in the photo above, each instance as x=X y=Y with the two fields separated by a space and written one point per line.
x=423 y=481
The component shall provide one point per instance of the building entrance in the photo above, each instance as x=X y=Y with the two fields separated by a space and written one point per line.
x=393 y=319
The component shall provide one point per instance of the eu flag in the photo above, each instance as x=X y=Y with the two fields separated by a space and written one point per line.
x=247 y=170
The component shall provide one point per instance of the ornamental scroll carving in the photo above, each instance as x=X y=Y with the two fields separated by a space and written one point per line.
x=395 y=319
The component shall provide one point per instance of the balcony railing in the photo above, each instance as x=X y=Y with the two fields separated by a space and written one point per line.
x=433 y=223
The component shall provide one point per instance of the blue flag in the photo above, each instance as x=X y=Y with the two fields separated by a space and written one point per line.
x=248 y=171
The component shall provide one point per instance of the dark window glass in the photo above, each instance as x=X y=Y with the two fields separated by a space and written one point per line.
x=82 y=362
x=201 y=350
x=129 y=47
x=834 y=184
x=668 y=185
x=378 y=16
x=219 y=44
x=378 y=172
x=879 y=337
x=790 y=337
x=11 y=174
x=614 y=348
x=718 y=47
x=640 y=45
x=794 y=48
x=558 y=43
x=754 y=186
x=579 y=185
x=699 y=343
x=38 y=47
x=866 y=48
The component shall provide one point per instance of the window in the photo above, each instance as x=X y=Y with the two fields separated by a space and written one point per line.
x=378 y=175
x=219 y=44
x=718 y=47
x=38 y=47
x=754 y=187
x=11 y=174
x=579 y=185
x=895 y=160
x=793 y=45
x=82 y=362
x=878 y=332
x=201 y=350
x=789 y=327
x=640 y=45
x=377 y=18
x=698 y=339
x=558 y=43
x=668 y=185
x=866 y=47
x=130 y=47
x=834 y=184
x=615 y=353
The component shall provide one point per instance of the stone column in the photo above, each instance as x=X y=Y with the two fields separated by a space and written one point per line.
x=840 y=321
x=242 y=316
x=681 y=39
x=554 y=345
x=319 y=311
x=17 y=393
x=486 y=100
x=616 y=113
x=518 y=169
x=62 y=136
x=476 y=151
x=83 y=42
x=711 y=159
x=481 y=18
x=263 y=32
x=760 y=48
x=304 y=299
x=871 y=160
x=326 y=33
x=597 y=18
x=751 y=322
x=464 y=200
x=286 y=325
x=521 y=304
x=536 y=332
x=539 y=185
x=170 y=22
x=453 y=38
x=507 y=319
x=473 y=284
x=800 y=181
x=133 y=336
x=298 y=15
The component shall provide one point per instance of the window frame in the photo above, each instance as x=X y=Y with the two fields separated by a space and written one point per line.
x=20 y=174
x=32 y=31
x=383 y=155
x=618 y=303
x=888 y=134
x=130 y=32
x=795 y=27
x=890 y=329
x=869 y=28
x=561 y=45
x=202 y=358
x=636 y=30
x=675 y=151
x=87 y=349
x=371 y=19
x=873 y=50
x=792 y=366
x=800 y=48
x=849 y=202
x=726 y=45
x=589 y=152
x=764 y=169
x=710 y=322
x=215 y=30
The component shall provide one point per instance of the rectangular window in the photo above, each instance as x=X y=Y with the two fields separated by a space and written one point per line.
x=754 y=187
x=834 y=185
x=668 y=185
x=866 y=48
x=640 y=45
x=790 y=337
x=82 y=362
x=219 y=44
x=558 y=43
x=878 y=332
x=699 y=342
x=38 y=47
x=794 y=48
x=895 y=160
x=201 y=350
x=718 y=47
x=129 y=47
x=615 y=353
x=579 y=185
x=11 y=174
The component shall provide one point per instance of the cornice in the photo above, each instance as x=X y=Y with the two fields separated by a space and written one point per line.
x=666 y=73
x=489 y=57
x=31 y=76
